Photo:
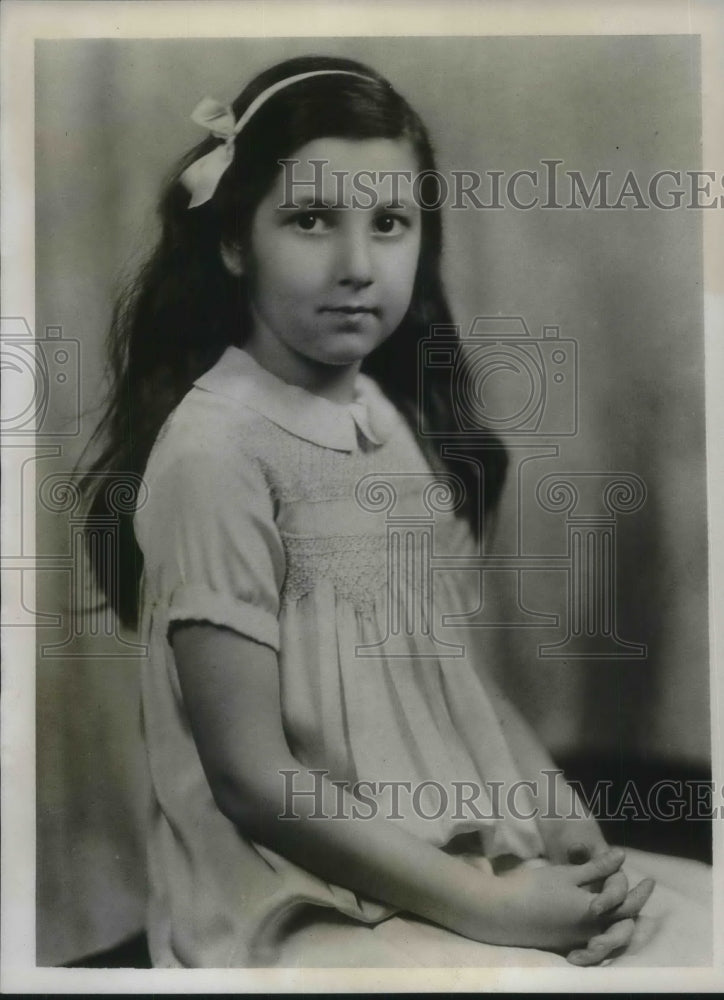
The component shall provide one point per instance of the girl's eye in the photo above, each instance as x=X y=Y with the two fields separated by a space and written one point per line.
x=318 y=222
x=310 y=222
x=390 y=225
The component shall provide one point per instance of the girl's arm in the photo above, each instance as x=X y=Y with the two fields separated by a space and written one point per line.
x=231 y=690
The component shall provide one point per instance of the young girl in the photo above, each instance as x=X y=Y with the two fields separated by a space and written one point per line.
x=333 y=772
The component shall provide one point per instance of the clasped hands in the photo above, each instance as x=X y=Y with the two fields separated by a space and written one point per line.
x=583 y=907
x=614 y=904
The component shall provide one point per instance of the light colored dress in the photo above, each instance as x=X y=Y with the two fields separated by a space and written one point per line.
x=307 y=526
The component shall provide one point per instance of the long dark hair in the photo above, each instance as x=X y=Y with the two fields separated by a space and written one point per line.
x=184 y=307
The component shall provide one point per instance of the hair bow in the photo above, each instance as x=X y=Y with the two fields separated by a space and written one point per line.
x=203 y=175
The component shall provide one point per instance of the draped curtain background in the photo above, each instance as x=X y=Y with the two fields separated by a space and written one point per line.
x=625 y=285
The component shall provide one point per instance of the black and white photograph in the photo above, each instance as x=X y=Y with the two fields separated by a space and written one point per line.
x=361 y=479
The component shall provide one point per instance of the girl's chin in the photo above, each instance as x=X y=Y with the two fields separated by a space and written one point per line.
x=347 y=349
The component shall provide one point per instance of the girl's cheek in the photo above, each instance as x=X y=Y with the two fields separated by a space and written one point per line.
x=304 y=252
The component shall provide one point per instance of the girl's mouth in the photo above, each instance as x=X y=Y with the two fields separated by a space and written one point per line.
x=351 y=310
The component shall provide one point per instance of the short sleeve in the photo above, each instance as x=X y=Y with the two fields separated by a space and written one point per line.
x=212 y=551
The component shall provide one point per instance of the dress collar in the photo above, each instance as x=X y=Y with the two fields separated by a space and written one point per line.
x=238 y=376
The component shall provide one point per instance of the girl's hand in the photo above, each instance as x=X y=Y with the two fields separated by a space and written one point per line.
x=573 y=835
x=576 y=840
x=552 y=908
x=622 y=914
x=614 y=898
x=573 y=841
x=577 y=853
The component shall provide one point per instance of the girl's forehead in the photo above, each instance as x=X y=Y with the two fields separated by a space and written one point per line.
x=360 y=154
x=332 y=168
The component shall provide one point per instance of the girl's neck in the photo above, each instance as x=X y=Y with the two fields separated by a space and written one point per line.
x=333 y=382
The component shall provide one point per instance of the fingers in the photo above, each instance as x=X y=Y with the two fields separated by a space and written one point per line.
x=600 y=947
x=599 y=867
x=578 y=854
x=613 y=893
x=619 y=933
x=634 y=901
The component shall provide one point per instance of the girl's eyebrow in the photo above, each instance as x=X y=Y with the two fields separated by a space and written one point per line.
x=303 y=202
x=397 y=204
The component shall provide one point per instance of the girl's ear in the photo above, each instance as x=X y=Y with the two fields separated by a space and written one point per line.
x=233 y=259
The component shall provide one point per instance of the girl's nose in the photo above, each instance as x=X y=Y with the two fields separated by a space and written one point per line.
x=354 y=263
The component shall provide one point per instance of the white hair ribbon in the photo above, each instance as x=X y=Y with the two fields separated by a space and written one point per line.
x=201 y=178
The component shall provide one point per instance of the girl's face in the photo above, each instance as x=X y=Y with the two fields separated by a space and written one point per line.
x=328 y=285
